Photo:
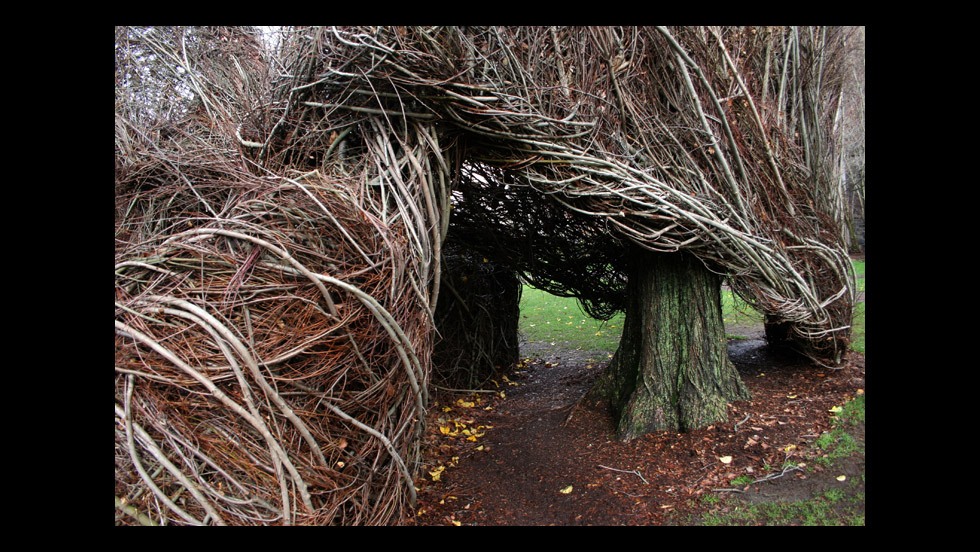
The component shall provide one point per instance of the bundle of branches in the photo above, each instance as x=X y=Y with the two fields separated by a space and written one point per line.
x=271 y=347
x=564 y=252
x=717 y=141
x=476 y=319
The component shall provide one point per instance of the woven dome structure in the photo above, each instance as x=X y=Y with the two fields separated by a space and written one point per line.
x=292 y=227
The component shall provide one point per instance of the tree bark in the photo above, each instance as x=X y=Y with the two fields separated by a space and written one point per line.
x=671 y=371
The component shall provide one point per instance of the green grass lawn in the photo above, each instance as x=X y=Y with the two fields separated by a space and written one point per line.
x=546 y=317
x=734 y=311
x=857 y=323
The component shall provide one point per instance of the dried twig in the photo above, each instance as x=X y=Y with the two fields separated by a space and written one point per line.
x=634 y=472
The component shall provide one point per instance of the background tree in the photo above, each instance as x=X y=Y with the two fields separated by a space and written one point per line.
x=853 y=137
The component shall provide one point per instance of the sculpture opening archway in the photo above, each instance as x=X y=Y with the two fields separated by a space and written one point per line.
x=284 y=246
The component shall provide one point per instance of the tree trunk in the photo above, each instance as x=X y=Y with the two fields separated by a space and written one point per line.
x=671 y=371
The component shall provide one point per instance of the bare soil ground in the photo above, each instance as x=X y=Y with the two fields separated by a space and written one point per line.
x=531 y=452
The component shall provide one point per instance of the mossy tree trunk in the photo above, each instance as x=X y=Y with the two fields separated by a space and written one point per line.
x=671 y=371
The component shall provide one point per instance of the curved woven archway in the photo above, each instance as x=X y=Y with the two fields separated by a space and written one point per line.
x=279 y=245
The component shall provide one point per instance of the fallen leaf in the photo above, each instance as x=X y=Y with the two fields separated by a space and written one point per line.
x=465 y=404
x=726 y=459
x=566 y=490
x=437 y=473
x=841 y=477
x=836 y=409
x=457 y=523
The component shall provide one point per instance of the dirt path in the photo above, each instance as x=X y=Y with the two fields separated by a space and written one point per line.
x=530 y=463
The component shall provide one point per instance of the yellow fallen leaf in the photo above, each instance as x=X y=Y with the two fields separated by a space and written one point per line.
x=790 y=396
x=726 y=459
x=437 y=473
x=841 y=478
x=860 y=391
x=465 y=404
x=444 y=430
x=790 y=448
x=566 y=490
x=836 y=409
x=457 y=523
x=503 y=395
